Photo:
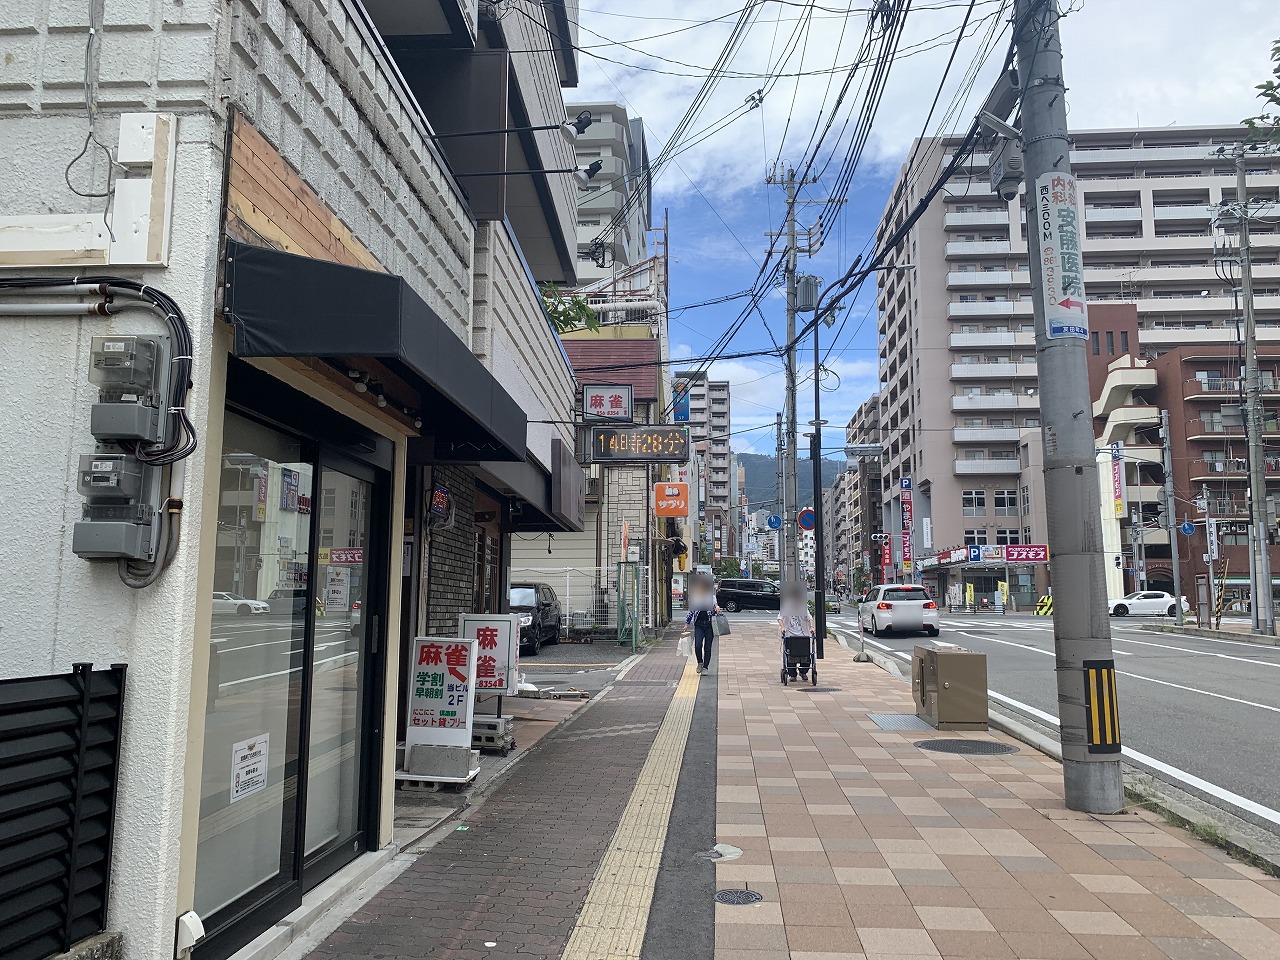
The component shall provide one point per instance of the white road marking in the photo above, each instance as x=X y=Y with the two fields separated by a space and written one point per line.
x=1199 y=653
x=1190 y=779
x=281 y=673
x=1206 y=693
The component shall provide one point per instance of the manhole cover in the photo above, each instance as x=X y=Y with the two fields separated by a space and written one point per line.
x=738 y=898
x=820 y=689
x=981 y=748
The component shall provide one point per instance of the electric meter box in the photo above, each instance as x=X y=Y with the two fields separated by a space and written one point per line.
x=132 y=377
x=119 y=513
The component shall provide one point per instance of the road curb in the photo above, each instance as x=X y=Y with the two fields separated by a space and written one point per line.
x=1209 y=822
x=1212 y=634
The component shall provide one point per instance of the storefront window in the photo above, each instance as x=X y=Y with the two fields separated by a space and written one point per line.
x=249 y=789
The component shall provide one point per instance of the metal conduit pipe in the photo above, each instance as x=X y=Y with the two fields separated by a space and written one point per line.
x=99 y=309
x=70 y=288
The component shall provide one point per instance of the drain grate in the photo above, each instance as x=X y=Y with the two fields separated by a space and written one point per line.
x=738 y=898
x=804 y=689
x=898 y=721
x=979 y=748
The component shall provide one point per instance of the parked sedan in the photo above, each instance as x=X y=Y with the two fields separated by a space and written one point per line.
x=1149 y=603
x=226 y=602
x=899 y=607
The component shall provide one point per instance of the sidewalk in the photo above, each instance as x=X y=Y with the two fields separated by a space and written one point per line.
x=865 y=846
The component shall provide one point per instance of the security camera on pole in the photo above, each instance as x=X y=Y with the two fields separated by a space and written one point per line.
x=1087 y=702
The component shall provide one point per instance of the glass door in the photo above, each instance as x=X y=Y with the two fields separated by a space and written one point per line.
x=337 y=731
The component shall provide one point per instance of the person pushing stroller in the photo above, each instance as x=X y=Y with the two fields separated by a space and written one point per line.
x=798 y=633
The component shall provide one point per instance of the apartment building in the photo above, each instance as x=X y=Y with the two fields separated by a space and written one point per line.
x=616 y=141
x=1200 y=388
x=863 y=482
x=962 y=319
x=709 y=434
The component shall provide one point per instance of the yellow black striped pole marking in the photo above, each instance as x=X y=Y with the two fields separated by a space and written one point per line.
x=1044 y=607
x=1102 y=710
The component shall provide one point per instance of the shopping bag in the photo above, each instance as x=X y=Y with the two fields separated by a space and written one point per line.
x=684 y=647
x=722 y=625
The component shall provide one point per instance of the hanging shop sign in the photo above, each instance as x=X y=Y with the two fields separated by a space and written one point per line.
x=671 y=500
x=1061 y=264
x=639 y=444
x=680 y=401
x=441 y=692
x=608 y=401
x=497 y=638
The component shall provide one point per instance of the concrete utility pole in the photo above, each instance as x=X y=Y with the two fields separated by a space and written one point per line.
x=1263 y=601
x=1170 y=516
x=1087 y=703
x=782 y=507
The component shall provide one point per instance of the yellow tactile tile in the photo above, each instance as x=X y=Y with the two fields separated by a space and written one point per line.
x=612 y=923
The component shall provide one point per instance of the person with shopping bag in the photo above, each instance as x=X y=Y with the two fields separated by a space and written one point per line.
x=701 y=617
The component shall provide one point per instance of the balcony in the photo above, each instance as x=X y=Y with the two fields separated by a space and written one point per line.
x=1223 y=389
x=979 y=278
x=991 y=371
x=987 y=308
x=978 y=218
x=970 y=248
x=1235 y=468
x=1213 y=430
x=1124 y=420
x=1003 y=468
x=1002 y=401
x=987 y=434
x=1178 y=212
x=1120 y=384
x=1112 y=215
x=993 y=338
x=1132 y=155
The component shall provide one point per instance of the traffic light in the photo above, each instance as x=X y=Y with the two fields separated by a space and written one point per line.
x=1119 y=561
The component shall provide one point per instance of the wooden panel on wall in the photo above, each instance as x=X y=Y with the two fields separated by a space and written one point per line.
x=268 y=201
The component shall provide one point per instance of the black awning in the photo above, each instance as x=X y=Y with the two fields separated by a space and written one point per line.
x=283 y=305
x=547 y=501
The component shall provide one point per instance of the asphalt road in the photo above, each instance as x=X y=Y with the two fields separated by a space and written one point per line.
x=1209 y=708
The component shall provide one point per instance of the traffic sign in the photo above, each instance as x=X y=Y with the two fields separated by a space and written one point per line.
x=806 y=519
x=774 y=522
x=1188 y=528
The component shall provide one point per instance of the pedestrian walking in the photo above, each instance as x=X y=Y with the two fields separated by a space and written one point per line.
x=701 y=616
x=795 y=620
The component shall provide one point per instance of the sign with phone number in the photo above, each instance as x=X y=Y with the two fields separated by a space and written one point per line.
x=639 y=444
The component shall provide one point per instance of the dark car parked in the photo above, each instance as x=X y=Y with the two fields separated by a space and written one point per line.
x=735 y=595
x=539 y=611
x=288 y=601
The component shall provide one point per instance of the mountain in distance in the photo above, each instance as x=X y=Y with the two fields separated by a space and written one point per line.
x=762 y=479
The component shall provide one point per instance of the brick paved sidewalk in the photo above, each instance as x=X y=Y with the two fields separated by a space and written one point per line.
x=865 y=846
x=517 y=875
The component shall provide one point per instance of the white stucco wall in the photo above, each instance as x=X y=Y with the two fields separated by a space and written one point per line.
x=154 y=56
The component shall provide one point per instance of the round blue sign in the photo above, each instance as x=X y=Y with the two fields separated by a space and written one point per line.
x=1188 y=528
x=807 y=519
x=774 y=521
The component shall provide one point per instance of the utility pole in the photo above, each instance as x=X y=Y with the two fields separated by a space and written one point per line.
x=782 y=507
x=1171 y=518
x=1263 y=599
x=790 y=569
x=1085 y=663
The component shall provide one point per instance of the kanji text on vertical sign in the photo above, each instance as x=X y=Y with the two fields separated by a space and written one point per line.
x=671 y=500
x=1117 y=477
x=908 y=518
x=607 y=402
x=441 y=691
x=497 y=638
x=1062 y=267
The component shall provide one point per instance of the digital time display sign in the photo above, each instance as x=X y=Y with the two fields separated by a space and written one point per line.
x=639 y=444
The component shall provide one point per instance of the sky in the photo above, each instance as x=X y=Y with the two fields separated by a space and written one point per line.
x=1126 y=62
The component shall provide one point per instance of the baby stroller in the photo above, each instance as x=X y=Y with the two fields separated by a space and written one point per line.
x=799 y=655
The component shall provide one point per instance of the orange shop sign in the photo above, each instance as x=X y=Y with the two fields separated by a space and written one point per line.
x=670 y=499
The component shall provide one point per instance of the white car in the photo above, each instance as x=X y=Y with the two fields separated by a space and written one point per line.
x=226 y=602
x=901 y=607
x=1149 y=603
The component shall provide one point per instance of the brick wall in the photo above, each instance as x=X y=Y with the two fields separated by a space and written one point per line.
x=451 y=556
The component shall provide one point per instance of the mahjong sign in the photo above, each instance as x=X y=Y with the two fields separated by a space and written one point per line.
x=441 y=691
x=1061 y=264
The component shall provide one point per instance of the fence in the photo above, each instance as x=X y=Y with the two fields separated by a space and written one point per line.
x=590 y=599
x=59 y=761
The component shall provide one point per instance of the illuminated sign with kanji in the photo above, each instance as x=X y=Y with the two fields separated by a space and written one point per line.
x=497 y=639
x=607 y=402
x=639 y=444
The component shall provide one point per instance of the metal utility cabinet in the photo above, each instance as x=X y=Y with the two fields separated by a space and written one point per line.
x=949 y=685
